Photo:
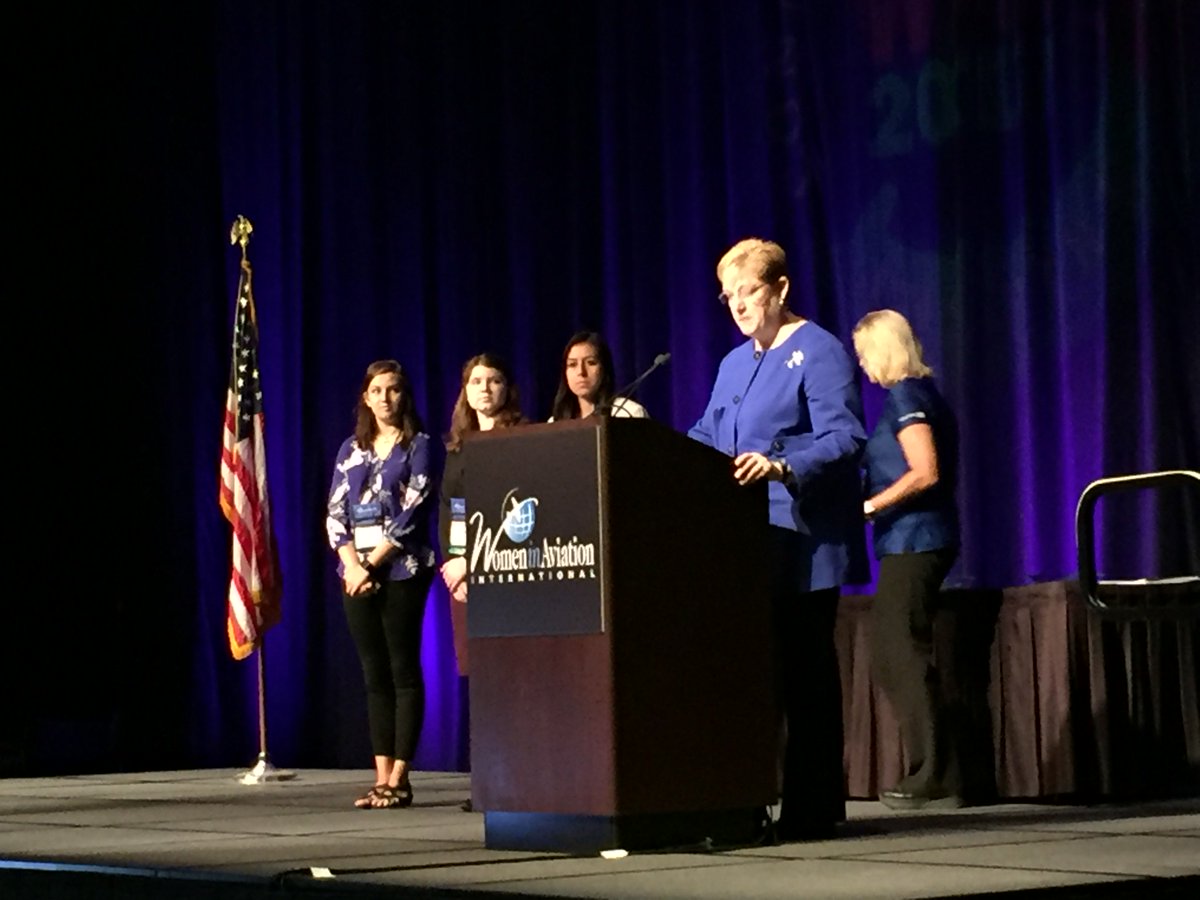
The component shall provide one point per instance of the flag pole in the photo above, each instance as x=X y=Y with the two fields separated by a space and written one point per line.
x=262 y=770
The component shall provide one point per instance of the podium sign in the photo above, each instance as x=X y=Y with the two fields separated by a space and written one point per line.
x=536 y=559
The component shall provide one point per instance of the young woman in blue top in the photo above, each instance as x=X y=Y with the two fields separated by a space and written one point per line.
x=911 y=467
x=786 y=407
x=378 y=524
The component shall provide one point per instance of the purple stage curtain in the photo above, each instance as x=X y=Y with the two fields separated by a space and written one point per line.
x=429 y=180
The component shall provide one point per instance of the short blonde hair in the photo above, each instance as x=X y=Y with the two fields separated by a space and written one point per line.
x=888 y=349
x=766 y=256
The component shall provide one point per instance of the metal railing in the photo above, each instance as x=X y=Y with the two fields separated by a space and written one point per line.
x=1085 y=542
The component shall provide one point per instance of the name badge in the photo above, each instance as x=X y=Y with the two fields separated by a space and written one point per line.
x=367 y=513
x=458 y=526
x=367 y=519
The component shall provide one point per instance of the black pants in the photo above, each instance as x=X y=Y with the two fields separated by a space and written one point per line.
x=386 y=627
x=903 y=666
x=810 y=692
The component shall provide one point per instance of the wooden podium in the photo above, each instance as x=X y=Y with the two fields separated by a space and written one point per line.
x=621 y=692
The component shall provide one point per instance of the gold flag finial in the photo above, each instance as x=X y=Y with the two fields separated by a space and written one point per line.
x=240 y=233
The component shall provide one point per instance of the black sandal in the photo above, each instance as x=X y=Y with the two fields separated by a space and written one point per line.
x=389 y=797
x=385 y=798
x=400 y=796
x=368 y=800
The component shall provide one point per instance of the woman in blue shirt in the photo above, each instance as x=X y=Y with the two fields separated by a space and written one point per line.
x=786 y=407
x=911 y=467
x=378 y=524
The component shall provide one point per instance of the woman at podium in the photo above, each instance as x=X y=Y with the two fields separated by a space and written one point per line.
x=378 y=524
x=785 y=406
x=586 y=382
x=911 y=466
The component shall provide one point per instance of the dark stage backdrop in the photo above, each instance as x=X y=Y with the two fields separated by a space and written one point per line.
x=429 y=180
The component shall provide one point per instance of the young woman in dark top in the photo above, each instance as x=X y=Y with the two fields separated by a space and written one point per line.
x=487 y=399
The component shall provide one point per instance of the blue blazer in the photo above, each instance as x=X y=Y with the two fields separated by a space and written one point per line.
x=799 y=402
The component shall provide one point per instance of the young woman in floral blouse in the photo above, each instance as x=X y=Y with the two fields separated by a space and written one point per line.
x=379 y=509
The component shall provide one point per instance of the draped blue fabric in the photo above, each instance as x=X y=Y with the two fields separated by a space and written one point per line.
x=430 y=180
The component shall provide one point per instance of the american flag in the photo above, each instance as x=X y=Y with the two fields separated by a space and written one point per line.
x=254 y=582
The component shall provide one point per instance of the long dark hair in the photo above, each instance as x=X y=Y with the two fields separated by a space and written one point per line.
x=365 y=427
x=566 y=404
x=464 y=420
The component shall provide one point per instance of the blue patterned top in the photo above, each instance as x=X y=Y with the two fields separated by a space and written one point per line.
x=799 y=402
x=402 y=485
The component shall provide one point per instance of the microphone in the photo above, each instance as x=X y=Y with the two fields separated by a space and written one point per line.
x=627 y=391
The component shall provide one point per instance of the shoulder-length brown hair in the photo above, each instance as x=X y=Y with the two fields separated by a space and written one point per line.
x=365 y=427
x=464 y=420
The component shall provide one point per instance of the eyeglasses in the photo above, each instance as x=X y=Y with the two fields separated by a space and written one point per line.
x=744 y=293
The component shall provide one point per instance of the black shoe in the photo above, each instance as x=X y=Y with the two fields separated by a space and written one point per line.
x=789 y=831
x=899 y=799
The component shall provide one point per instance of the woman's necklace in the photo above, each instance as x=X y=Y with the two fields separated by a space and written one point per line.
x=380 y=451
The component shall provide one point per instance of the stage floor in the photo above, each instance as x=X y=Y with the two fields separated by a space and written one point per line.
x=200 y=834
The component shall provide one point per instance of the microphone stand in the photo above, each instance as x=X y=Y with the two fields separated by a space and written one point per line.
x=626 y=392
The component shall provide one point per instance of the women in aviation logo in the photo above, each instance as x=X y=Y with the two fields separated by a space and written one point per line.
x=554 y=559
